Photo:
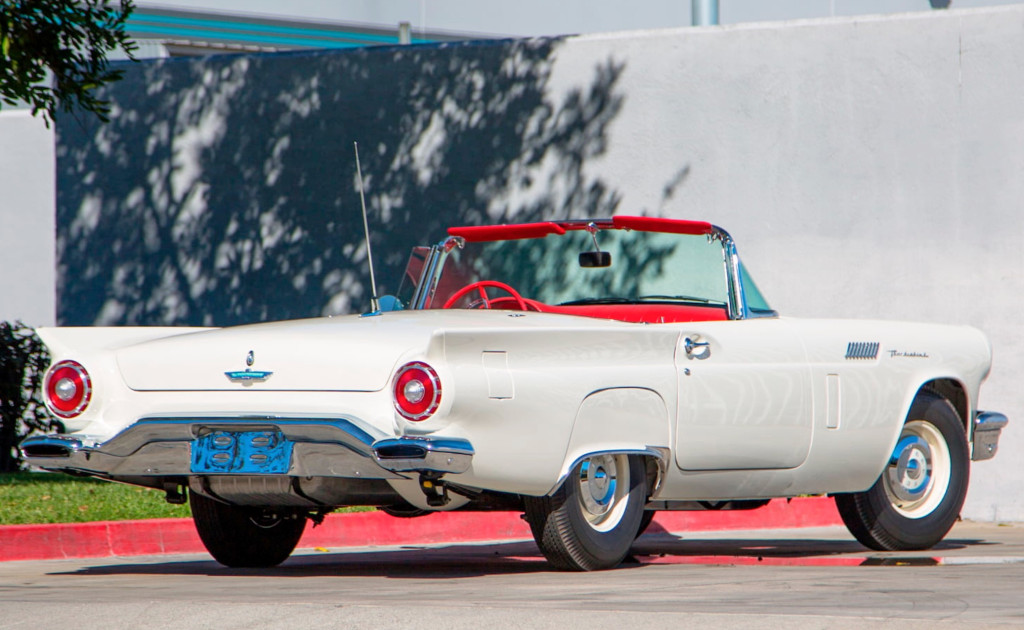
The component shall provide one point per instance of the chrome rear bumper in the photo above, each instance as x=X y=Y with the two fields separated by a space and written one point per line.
x=322 y=447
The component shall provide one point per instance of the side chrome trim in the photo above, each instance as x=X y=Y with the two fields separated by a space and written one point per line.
x=703 y=506
x=660 y=454
x=424 y=454
x=988 y=426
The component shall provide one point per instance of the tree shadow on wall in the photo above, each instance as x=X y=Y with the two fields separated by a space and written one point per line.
x=224 y=190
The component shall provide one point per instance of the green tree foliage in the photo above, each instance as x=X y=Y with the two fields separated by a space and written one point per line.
x=53 y=53
x=23 y=361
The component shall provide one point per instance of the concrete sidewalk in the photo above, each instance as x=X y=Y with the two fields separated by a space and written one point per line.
x=178 y=535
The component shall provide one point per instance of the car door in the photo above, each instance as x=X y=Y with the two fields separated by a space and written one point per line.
x=745 y=400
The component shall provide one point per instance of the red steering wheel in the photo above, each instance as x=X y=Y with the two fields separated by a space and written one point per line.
x=486 y=301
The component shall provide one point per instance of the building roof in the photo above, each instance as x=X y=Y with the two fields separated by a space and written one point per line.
x=182 y=32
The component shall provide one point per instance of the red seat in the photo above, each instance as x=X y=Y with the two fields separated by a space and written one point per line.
x=637 y=313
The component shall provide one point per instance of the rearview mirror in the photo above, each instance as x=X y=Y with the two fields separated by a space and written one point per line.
x=595 y=259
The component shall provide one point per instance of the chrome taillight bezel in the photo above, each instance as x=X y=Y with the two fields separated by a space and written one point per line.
x=74 y=405
x=423 y=374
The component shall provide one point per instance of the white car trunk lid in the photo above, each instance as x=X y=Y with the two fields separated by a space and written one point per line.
x=307 y=355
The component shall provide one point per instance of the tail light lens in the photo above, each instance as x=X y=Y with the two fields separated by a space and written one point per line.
x=417 y=391
x=68 y=389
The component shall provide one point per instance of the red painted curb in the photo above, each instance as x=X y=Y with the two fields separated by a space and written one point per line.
x=177 y=535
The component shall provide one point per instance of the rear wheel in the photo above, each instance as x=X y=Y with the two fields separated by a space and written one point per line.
x=246 y=537
x=590 y=522
x=916 y=501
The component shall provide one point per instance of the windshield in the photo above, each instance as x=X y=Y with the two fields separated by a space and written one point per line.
x=645 y=267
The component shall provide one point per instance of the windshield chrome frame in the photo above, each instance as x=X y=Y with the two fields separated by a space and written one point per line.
x=431 y=273
x=736 y=307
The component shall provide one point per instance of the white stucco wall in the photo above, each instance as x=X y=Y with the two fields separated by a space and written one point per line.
x=26 y=219
x=869 y=168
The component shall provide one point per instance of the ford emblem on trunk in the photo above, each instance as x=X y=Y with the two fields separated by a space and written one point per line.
x=249 y=375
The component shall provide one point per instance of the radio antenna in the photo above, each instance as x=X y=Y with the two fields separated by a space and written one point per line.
x=374 y=303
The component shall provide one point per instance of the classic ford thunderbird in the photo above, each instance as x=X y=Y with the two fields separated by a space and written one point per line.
x=586 y=373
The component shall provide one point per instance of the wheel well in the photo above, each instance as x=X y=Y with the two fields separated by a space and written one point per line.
x=655 y=474
x=954 y=392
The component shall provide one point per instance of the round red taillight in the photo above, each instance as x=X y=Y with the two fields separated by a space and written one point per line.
x=417 y=391
x=68 y=389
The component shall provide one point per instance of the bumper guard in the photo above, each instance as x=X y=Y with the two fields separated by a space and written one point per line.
x=988 y=425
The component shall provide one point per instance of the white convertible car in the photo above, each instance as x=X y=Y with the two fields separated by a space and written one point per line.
x=586 y=373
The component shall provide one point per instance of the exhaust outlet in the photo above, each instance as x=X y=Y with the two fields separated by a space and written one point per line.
x=49 y=447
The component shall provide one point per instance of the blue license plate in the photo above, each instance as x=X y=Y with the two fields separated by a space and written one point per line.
x=242 y=452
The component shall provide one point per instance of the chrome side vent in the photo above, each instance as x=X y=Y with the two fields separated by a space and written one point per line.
x=862 y=350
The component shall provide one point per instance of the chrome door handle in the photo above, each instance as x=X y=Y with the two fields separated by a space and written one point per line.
x=690 y=345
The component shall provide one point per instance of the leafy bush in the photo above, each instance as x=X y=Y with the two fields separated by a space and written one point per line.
x=23 y=362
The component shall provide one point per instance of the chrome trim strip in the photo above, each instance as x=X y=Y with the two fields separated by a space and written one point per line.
x=424 y=454
x=988 y=426
x=729 y=505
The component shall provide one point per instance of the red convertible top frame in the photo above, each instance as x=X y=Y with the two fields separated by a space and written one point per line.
x=515 y=231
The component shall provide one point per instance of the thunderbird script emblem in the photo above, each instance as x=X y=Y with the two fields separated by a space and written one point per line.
x=248 y=375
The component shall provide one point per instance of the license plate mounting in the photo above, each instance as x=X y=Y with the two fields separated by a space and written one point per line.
x=242 y=452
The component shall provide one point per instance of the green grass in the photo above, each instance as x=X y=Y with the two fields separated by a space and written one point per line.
x=27 y=498
x=36 y=498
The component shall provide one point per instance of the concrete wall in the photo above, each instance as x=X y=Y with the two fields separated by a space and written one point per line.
x=868 y=168
x=27 y=270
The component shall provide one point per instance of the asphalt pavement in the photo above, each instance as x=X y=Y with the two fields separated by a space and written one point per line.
x=793 y=579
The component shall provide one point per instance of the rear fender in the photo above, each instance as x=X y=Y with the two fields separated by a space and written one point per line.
x=629 y=420
x=75 y=342
x=93 y=348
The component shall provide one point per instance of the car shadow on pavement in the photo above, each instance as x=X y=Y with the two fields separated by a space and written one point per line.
x=660 y=546
x=523 y=557
x=409 y=561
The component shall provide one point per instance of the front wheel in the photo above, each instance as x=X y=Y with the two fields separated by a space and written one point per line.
x=916 y=501
x=245 y=537
x=590 y=522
